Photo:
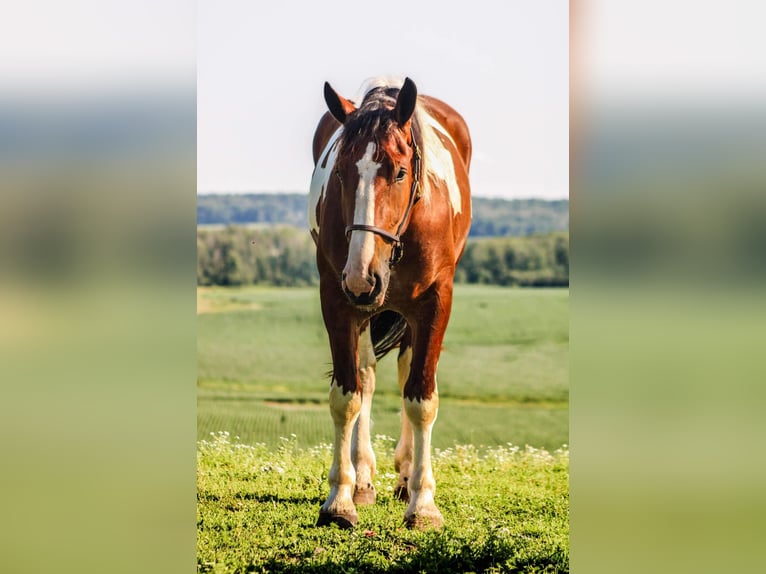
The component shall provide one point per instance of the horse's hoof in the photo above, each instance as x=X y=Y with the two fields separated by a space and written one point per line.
x=402 y=493
x=364 y=495
x=342 y=520
x=424 y=521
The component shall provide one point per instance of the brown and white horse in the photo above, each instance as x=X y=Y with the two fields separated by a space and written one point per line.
x=389 y=211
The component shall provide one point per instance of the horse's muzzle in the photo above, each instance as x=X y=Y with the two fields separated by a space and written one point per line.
x=366 y=299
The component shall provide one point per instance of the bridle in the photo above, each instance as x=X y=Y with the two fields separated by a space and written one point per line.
x=397 y=251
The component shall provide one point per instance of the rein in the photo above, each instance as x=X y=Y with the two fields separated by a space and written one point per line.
x=396 y=238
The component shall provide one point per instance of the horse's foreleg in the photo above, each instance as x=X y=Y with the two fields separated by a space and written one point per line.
x=362 y=455
x=421 y=405
x=403 y=454
x=345 y=405
x=339 y=506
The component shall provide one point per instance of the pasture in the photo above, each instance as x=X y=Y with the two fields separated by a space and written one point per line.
x=503 y=374
x=264 y=428
x=505 y=510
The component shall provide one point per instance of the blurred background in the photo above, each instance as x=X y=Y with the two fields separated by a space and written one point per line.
x=667 y=314
x=98 y=156
x=97 y=332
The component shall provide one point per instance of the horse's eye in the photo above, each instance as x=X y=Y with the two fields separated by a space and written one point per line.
x=402 y=173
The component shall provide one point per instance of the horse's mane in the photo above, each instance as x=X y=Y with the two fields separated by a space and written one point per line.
x=374 y=118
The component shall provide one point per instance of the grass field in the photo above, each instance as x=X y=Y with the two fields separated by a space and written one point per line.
x=503 y=374
x=264 y=428
x=505 y=510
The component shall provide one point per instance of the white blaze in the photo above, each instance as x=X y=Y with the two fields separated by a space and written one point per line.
x=362 y=245
x=321 y=177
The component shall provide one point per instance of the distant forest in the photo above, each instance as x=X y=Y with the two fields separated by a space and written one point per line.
x=285 y=256
x=263 y=239
x=491 y=217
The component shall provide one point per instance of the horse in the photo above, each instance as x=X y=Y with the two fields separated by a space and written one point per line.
x=389 y=211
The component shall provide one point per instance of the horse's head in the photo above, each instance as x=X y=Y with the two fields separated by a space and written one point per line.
x=375 y=166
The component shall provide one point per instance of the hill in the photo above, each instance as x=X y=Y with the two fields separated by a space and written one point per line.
x=491 y=217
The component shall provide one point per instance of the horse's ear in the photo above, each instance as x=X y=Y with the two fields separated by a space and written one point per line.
x=339 y=106
x=405 y=102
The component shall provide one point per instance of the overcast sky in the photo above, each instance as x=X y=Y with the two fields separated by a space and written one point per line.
x=261 y=68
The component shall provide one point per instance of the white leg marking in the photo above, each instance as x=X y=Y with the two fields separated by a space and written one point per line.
x=321 y=177
x=403 y=454
x=422 y=511
x=362 y=455
x=345 y=410
x=362 y=246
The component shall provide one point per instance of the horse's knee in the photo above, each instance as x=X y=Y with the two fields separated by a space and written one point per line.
x=344 y=406
x=421 y=413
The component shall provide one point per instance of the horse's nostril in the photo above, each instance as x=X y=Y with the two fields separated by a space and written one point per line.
x=372 y=279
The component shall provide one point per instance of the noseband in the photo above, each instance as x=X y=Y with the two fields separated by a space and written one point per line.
x=397 y=251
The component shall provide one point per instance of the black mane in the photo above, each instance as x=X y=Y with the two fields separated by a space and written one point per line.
x=371 y=120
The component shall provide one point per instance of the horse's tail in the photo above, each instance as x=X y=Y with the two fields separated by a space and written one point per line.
x=386 y=329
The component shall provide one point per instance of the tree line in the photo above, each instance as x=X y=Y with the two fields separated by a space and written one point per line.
x=491 y=217
x=285 y=256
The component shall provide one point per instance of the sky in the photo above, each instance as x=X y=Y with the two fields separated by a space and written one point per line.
x=95 y=47
x=502 y=63
x=669 y=52
x=261 y=68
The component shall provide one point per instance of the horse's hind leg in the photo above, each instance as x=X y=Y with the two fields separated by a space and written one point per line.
x=403 y=454
x=362 y=455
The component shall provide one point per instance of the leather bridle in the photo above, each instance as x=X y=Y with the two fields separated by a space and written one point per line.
x=397 y=251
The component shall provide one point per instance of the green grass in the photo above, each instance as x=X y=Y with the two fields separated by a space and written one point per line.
x=503 y=378
x=256 y=417
x=505 y=510
x=503 y=372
